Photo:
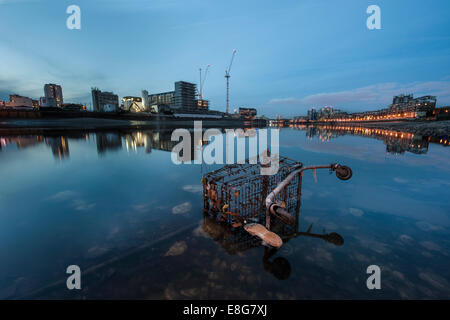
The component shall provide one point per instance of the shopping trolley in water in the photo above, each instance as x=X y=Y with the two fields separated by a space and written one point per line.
x=240 y=196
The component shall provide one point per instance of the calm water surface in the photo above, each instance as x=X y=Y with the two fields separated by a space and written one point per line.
x=116 y=205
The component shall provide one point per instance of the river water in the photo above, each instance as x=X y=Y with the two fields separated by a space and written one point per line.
x=116 y=205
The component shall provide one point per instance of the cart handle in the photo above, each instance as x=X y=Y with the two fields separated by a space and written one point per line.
x=342 y=172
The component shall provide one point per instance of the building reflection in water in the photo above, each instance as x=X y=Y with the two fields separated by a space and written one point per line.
x=22 y=142
x=161 y=140
x=237 y=240
x=106 y=142
x=58 y=144
x=397 y=142
x=109 y=141
x=149 y=139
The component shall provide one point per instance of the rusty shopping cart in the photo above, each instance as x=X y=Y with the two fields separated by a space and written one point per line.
x=240 y=196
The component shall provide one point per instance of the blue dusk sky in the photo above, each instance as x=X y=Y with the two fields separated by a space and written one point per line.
x=291 y=55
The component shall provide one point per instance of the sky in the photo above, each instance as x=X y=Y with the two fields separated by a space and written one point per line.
x=291 y=55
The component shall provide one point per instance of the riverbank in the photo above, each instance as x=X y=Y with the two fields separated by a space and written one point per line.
x=57 y=124
x=424 y=128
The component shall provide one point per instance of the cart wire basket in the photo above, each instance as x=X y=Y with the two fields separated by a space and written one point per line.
x=236 y=193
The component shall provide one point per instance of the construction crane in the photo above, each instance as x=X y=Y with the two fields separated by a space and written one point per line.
x=201 y=83
x=227 y=76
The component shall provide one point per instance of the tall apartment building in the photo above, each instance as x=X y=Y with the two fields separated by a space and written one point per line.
x=403 y=98
x=312 y=114
x=104 y=101
x=53 y=91
x=182 y=98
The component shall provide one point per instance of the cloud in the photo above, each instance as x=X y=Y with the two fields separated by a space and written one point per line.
x=374 y=245
x=144 y=207
x=193 y=188
x=361 y=257
x=62 y=195
x=18 y=63
x=95 y=252
x=72 y=198
x=356 y=212
x=426 y=226
x=81 y=205
x=400 y=180
x=434 y=280
x=177 y=249
x=182 y=208
x=405 y=238
x=320 y=255
x=364 y=98
x=430 y=245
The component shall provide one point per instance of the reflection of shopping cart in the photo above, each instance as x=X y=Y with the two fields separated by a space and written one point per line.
x=239 y=196
x=233 y=240
x=237 y=240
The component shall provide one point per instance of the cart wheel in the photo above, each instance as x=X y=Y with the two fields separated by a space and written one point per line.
x=281 y=268
x=335 y=239
x=344 y=172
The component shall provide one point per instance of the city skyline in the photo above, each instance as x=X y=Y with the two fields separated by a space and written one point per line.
x=402 y=102
x=125 y=47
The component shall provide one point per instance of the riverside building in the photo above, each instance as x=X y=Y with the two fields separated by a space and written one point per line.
x=182 y=99
x=53 y=96
x=104 y=101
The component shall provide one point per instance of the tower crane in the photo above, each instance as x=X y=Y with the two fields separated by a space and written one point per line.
x=227 y=76
x=201 y=83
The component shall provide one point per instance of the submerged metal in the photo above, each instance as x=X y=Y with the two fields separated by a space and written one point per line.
x=237 y=240
x=236 y=193
x=240 y=196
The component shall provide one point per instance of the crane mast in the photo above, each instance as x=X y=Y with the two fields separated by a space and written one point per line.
x=227 y=76
x=202 y=82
